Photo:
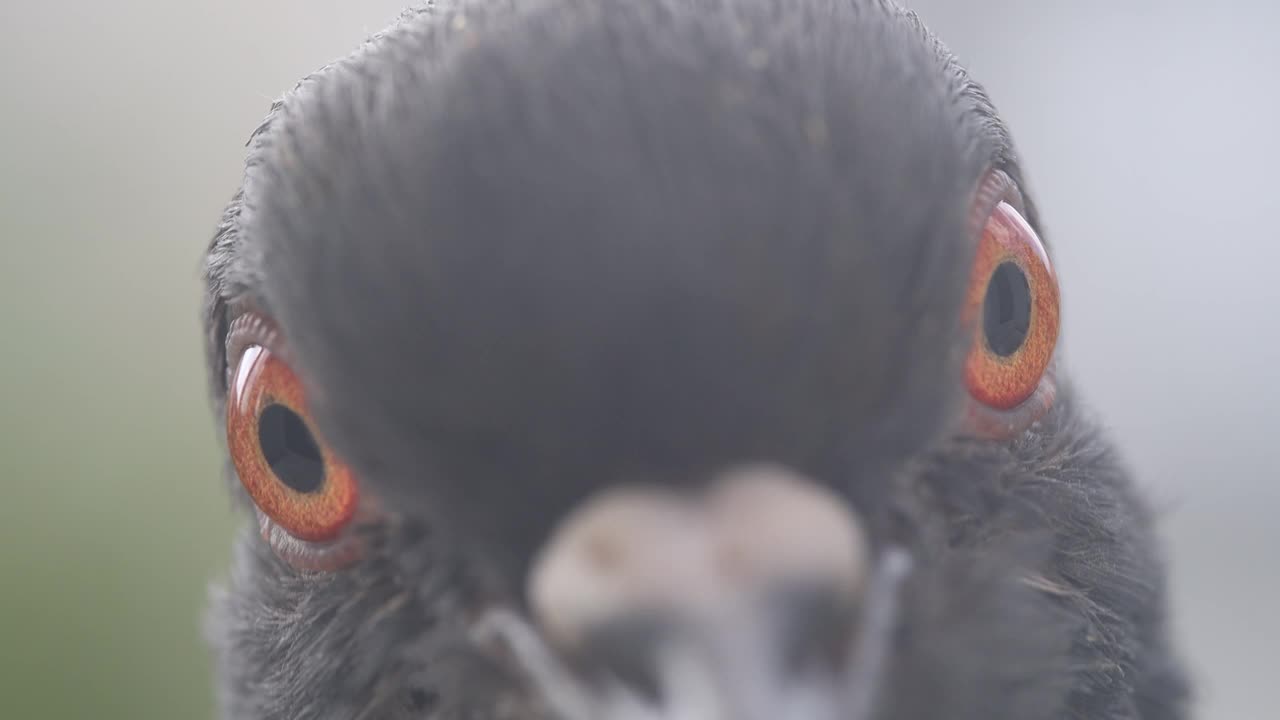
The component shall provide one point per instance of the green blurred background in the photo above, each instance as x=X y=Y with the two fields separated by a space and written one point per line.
x=1149 y=132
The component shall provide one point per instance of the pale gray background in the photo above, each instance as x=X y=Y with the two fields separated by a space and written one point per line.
x=1148 y=130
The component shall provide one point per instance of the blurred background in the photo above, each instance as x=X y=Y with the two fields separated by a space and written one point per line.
x=1149 y=130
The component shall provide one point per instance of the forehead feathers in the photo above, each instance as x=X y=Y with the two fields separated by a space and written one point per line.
x=657 y=236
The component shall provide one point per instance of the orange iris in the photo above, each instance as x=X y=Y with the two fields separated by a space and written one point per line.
x=291 y=475
x=1012 y=304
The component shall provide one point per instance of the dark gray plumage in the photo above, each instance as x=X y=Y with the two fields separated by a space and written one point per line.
x=522 y=251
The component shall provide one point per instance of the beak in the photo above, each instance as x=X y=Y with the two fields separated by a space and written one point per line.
x=755 y=600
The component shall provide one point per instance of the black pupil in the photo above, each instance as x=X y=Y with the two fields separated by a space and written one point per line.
x=1007 y=310
x=290 y=449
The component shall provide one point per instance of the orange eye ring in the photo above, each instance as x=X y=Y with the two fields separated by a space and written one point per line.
x=293 y=478
x=1012 y=304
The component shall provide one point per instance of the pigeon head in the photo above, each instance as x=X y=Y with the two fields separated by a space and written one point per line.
x=602 y=360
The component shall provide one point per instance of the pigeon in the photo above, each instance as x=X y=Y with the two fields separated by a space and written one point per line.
x=662 y=360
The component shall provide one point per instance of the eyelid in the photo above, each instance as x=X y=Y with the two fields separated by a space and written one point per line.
x=985 y=420
x=328 y=556
x=251 y=328
x=254 y=339
x=988 y=423
x=996 y=187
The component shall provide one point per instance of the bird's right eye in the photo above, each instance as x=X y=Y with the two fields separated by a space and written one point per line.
x=306 y=496
x=1012 y=307
x=1017 y=326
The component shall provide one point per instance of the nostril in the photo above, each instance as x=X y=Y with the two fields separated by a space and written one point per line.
x=773 y=528
x=604 y=554
x=732 y=561
x=625 y=552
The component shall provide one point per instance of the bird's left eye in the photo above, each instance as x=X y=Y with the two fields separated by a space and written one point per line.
x=297 y=483
x=1012 y=306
